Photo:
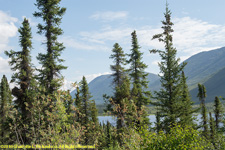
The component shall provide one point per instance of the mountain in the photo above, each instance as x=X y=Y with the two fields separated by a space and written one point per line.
x=215 y=86
x=202 y=66
x=205 y=67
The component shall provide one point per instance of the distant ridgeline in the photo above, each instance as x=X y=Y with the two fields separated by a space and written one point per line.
x=207 y=68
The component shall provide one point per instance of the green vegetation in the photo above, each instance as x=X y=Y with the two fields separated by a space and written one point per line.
x=51 y=14
x=23 y=76
x=43 y=114
x=5 y=102
x=172 y=100
x=139 y=93
x=202 y=96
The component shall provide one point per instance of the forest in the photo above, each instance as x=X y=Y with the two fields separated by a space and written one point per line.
x=36 y=111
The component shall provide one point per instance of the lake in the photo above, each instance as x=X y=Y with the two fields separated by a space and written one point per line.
x=112 y=120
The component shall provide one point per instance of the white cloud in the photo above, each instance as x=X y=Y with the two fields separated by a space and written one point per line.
x=4 y=66
x=109 y=15
x=108 y=35
x=67 y=85
x=7 y=29
x=190 y=36
x=193 y=35
x=155 y=62
x=93 y=76
x=183 y=58
x=70 y=42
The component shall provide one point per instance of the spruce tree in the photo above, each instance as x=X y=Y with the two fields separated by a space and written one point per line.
x=78 y=104
x=23 y=76
x=69 y=103
x=51 y=14
x=109 y=140
x=212 y=129
x=5 y=101
x=86 y=110
x=94 y=125
x=118 y=75
x=139 y=79
x=202 y=95
x=124 y=117
x=118 y=69
x=85 y=97
x=218 y=112
x=168 y=98
x=94 y=114
x=186 y=109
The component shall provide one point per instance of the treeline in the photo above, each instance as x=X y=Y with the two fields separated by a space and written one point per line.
x=36 y=111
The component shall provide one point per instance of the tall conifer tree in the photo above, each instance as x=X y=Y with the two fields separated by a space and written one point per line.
x=212 y=129
x=168 y=98
x=87 y=108
x=118 y=75
x=51 y=14
x=23 y=76
x=187 y=111
x=78 y=104
x=85 y=105
x=5 y=101
x=118 y=69
x=202 y=96
x=218 y=112
x=139 y=79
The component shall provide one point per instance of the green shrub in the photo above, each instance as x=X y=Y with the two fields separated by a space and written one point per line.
x=178 y=139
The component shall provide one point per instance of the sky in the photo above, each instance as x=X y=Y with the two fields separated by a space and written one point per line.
x=91 y=27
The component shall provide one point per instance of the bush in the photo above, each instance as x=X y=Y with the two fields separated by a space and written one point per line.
x=178 y=139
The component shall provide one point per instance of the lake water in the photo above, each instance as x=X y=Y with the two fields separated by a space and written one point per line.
x=112 y=120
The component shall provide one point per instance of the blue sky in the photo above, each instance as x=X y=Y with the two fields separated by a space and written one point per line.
x=91 y=27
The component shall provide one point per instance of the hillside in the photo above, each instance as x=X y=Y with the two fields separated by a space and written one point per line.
x=215 y=86
x=203 y=65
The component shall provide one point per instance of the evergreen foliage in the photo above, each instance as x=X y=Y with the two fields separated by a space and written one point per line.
x=139 y=94
x=169 y=96
x=187 y=116
x=118 y=69
x=5 y=102
x=121 y=89
x=23 y=76
x=158 y=122
x=51 y=14
x=78 y=104
x=89 y=113
x=212 y=129
x=118 y=75
x=218 y=112
x=202 y=96
x=109 y=140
